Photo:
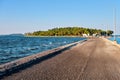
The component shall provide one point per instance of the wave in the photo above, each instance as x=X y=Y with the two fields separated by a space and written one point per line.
x=12 y=48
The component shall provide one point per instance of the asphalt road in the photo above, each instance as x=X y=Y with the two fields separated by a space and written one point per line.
x=95 y=59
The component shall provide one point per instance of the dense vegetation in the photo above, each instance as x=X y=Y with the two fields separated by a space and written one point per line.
x=70 y=31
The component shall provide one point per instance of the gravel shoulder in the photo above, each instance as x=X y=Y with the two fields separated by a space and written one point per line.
x=95 y=59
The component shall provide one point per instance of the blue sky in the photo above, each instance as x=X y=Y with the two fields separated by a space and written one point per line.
x=20 y=16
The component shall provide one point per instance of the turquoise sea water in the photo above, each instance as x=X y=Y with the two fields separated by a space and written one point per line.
x=15 y=47
x=117 y=39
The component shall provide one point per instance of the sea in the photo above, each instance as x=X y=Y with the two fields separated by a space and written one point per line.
x=16 y=47
x=117 y=38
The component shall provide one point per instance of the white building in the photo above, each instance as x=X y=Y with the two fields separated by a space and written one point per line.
x=85 y=35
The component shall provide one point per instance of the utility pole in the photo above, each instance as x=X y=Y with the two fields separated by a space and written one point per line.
x=114 y=24
x=106 y=30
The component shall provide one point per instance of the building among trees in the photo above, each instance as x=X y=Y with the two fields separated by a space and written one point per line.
x=71 y=31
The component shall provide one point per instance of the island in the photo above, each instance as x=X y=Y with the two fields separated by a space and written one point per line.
x=71 y=31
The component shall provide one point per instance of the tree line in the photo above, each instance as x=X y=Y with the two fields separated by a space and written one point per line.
x=70 y=31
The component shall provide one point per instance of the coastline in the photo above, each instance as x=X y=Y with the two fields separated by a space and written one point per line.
x=22 y=63
x=91 y=59
x=113 y=42
x=54 y=36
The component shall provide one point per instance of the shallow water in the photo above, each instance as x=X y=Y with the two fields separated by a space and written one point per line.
x=15 y=47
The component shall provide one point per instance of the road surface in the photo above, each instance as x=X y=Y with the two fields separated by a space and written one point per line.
x=95 y=59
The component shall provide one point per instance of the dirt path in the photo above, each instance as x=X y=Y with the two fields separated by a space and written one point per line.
x=95 y=59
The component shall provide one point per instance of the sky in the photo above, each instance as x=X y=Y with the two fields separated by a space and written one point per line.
x=21 y=16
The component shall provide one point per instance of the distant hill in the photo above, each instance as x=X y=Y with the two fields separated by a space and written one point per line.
x=16 y=35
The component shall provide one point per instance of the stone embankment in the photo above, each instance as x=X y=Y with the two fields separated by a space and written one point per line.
x=17 y=65
x=94 y=59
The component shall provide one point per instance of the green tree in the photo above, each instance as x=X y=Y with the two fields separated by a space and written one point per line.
x=69 y=31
